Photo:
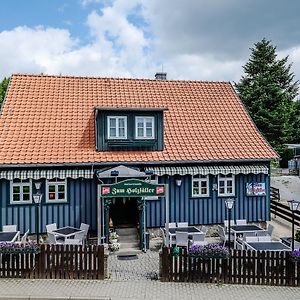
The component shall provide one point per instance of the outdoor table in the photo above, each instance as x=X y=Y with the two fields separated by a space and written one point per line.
x=190 y=230
x=9 y=236
x=267 y=246
x=240 y=229
x=67 y=232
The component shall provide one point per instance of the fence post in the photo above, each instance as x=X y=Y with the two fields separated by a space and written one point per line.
x=100 y=261
x=165 y=262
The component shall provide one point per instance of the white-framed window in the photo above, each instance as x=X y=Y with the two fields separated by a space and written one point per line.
x=226 y=186
x=117 y=127
x=20 y=191
x=56 y=190
x=200 y=186
x=153 y=180
x=144 y=127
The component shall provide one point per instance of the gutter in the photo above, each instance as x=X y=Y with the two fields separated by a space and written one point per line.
x=115 y=163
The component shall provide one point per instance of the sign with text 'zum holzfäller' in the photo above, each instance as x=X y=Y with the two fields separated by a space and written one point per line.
x=132 y=188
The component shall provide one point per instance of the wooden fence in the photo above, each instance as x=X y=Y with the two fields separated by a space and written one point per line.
x=243 y=267
x=55 y=262
x=274 y=194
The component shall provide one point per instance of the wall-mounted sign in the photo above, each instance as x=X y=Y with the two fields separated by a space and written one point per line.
x=132 y=188
x=256 y=189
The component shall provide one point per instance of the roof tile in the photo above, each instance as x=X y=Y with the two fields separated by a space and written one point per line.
x=50 y=119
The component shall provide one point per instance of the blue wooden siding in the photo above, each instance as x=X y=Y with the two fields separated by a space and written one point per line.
x=209 y=210
x=82 y=205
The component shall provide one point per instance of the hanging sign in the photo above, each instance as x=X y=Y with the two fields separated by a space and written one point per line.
x=256 y=189
x=132 y=188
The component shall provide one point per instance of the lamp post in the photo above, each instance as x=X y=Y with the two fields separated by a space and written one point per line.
x=293 y=205
x=229 y=205
x=37 y=200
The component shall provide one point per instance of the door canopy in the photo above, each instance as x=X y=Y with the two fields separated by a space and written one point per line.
x=132 y=188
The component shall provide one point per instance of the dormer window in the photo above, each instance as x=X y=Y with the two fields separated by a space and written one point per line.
x=117 y=127
x=144 y=127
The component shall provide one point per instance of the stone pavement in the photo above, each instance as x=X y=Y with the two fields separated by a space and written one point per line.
x=136 y=279
x=140 y=289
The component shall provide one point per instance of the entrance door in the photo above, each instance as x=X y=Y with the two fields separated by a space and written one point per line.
x=124 y=212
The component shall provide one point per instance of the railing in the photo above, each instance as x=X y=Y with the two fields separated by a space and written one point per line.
x=243 y=267
x=55 y=262
x=283 y=211
x=274 y=194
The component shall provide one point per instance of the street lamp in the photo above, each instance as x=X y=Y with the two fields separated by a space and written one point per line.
x=293 y=205
x=37 y=198
x=229 y=205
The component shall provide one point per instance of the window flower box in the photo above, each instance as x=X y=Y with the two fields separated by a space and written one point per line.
x=209 y=251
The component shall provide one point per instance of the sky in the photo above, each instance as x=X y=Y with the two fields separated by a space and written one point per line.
x=188 y=39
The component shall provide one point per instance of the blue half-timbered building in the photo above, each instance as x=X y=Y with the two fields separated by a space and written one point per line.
x=73 y=133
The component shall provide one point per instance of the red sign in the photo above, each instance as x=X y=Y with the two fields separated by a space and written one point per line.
x=105 y=190
x=160 y=190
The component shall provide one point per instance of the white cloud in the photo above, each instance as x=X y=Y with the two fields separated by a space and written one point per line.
x=171 y=35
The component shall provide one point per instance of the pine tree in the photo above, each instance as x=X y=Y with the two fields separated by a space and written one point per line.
x=267 y=90
x=3 y=87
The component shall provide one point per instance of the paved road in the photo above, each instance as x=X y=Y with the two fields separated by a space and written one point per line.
x=140 y=289
x=136 y=279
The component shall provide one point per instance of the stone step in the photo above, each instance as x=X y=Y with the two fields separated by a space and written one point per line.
x=128 y=239
x=126 y=231
x=129 y=245
x=127 y=252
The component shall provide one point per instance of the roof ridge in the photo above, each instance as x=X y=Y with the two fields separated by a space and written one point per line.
x=119 y=78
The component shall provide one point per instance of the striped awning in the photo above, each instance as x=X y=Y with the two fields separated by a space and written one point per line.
x=48 y=174
x=214 y=170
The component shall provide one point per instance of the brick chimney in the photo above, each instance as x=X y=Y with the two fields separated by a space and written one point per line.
x=161 y=76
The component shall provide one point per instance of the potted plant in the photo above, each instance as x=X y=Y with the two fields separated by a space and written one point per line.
x=209 y=251
x=295 y=255
x=114 y=246
x=113 y=237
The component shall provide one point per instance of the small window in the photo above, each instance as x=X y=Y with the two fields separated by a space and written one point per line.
x=117 y=127
x=144 y=127
x=21 y=191
x=56 y=190
x=226 y=185
x=200 y=186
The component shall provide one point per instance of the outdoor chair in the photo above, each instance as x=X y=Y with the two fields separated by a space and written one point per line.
x=242 y=237
x=241 y=222
x=296 y=245
x=9 y=228
x=73 y=242
x=250 y=239
x=85 y=227
x=51 y=227
x=171 y=225
x=199 y=239
x=25 y=237
x=163 y=237
x=79 y=236
x=182 y=224
x=270 y=229
x=52 y=239
x=239 y=246
x=182 y=239
x=262 y=233
x=266 y=238
x=232 y=223
x=204 y=229
x=222 y=235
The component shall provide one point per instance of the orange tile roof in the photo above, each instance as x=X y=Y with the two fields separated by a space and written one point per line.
x=50 y=119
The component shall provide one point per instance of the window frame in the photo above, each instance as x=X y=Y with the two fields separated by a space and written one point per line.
x=226 y=178
x=199 y=180
x=56 y=183
x=117 y=137
x=21 y=185
x=144 y=137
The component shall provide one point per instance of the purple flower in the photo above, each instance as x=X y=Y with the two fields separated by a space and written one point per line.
x=209 y=251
